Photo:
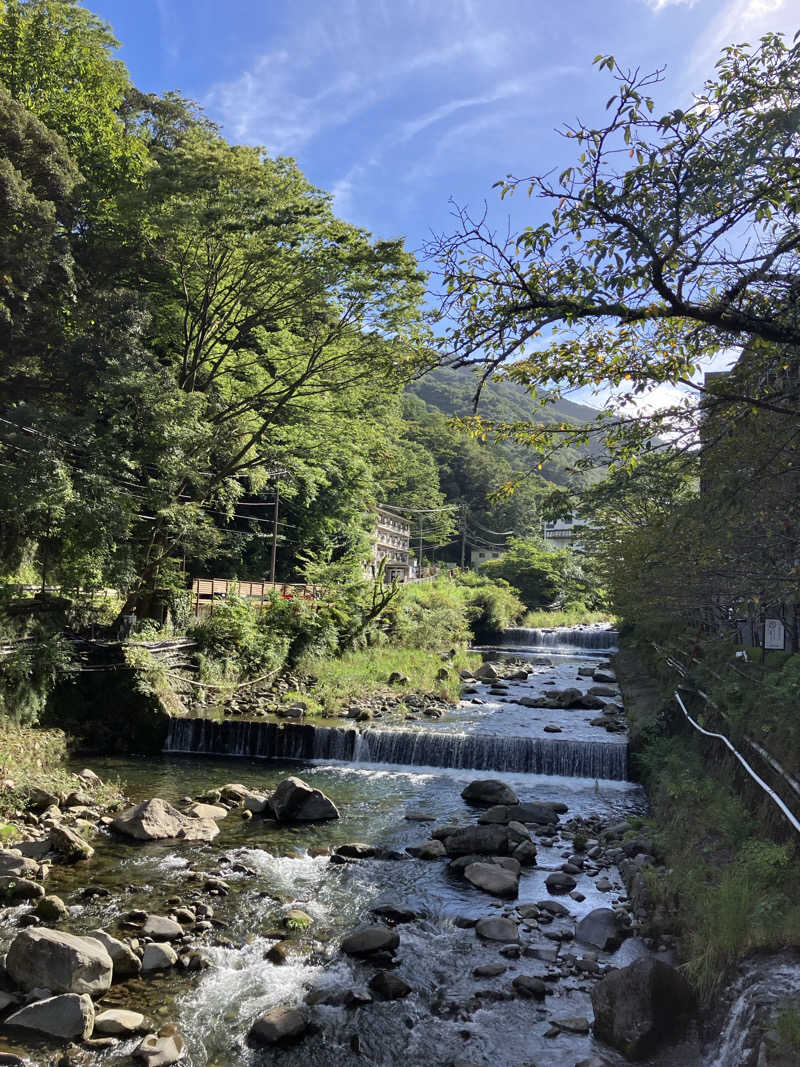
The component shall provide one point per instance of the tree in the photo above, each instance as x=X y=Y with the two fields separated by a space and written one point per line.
x=669 y=238
x=545 y=577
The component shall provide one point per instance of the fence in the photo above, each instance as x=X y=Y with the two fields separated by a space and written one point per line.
x=205 y=591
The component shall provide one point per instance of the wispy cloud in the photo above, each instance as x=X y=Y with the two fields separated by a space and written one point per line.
x=659 y=5
x=738 y=21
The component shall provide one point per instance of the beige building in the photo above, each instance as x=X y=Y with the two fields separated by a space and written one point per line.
x=391 y=542
x=564 y=533
x=478 y=556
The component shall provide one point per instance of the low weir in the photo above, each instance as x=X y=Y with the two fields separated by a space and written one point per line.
x=575 y=639
x=415 y=748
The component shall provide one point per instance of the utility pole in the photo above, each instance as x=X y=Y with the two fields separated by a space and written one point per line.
x=274 y=533
x=463 y=536
x=419 y=554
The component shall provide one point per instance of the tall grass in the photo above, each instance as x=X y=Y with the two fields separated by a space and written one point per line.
x=577 y=616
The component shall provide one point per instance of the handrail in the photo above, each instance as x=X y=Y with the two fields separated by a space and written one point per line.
x=760 y=781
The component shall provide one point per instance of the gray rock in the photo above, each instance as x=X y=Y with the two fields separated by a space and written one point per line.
x=50 y=909
x=529 y=987
x=558 y=882
x=198 y=810
x=67 y=1016
x=486 y=672
x=356 y=850
x=489 y=791
x=118 y=1022
x=161 y=928
x=70 y=844
x=158 y=957
x=14 y=889
x=489 y=970
x=156 y=820
x=365 y=940
x=478 y=840
x=493 y=879
x=603 y=675
x=497 y=928
x=431 y=850
x=637 y=1007
x=279 y=1025
x=388 y=986
x=14 y=864
x=602 y=928
x=125 y=962
x=295 y=801
x=571 y=1024
x=525 y=854
x=160 y=1050
x=58 y=961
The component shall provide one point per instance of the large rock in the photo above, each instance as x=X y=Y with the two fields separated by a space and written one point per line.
x=388 y=986
x=486 y=672
x=125 y=962
x=602 y=928
x=67 y=1016
x=158 y=956
x=161 y=928
x=493 y=879
x=160 y=1050
x=497 y=928
x=296 y=801
x=489 y=840
x=14 y=889
x=49 y=959
x=70 y=844
x=279 y=1025
x=640 y=1005
x=365 y=940
x=50 y=909
x=559 y=882
x=14 y=864
x=198 y=810
x=155 y=820
x=539 y=813
x=118 y=1022
x=489 y=791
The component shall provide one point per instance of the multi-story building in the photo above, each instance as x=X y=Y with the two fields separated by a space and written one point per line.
x=391 y=542
x=479 y=556
x=564 y=533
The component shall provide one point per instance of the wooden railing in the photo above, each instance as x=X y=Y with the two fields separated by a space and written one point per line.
x=205 y=591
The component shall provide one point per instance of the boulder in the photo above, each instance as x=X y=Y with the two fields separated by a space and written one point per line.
x=70 y=844
x=529 y=987
x=365 y=940
x=159 y=956
x=118 y=1022
x=256 y=802
x=558 y=882
x=279 y=1025
x=40 y=799
x=14 y=864
x=431 y=850
x=477 y=840
x=602 y=928
x=539 y=813
x=296 y=801
x=161 y=928
x=489 y=791
x=60 y=962
x=68 y=1016
x=50 y=909
x=160 y=1050
x=497 y=928
x=639 y=1006
x=525 y=854
x=156 y=820
x=199 y=810
x=493 y=879
x=355 y=850
x=388 y=986
x=486 y=672
x=604 y=675
x=126 y=964
x=13 y=889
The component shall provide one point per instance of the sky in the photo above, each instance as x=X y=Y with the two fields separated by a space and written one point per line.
x=399 y=108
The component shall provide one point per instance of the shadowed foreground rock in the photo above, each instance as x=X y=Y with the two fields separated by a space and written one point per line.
x=295 y=801
x=68 y=1016
x=156 y=820
x=63 y=963
x=639 y=1006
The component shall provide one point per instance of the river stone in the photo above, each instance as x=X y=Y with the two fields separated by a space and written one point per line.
x=604 y=676
x=558 y=882
x=572 y=1024
x=14 y=889
x=40 y=799
x=13 y=863
x=525 y=854
x=125 y=961
x=155 y=820
x=431 y=850
x=255 y=802
x=160 y=1050
x=388 y=986
x=118 y=1021
x=487 y=673
x=493 y=879
x=529 y=987
x=489 y=970
x=489 y=791
x=637 y=1007
x=67 y=1016
x=161 y=928
x=602 y=928
x=158 y=956
x=198 y=810
x=356 y=850
x=50 y=909
x=365 y=940
x=279 y=1025
x=497 y=928
x=60 y=962
x=296 y=801
x=480 y=840
x=70 y=844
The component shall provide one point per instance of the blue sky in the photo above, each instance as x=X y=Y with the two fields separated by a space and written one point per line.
x=397 y=106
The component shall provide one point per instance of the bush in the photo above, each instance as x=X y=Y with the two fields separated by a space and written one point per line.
x=234 y=636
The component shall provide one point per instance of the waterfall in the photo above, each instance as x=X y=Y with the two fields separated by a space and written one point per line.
x=417 y=748
x=594 y=639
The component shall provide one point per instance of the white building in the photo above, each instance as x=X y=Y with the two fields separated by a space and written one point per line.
x=564 y=533
x=391 y=542
x=479 y=556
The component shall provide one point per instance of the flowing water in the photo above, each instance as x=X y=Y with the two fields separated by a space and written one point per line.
x=387 y=785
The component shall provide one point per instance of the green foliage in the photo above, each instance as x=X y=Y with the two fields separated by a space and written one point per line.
x=28 y=674
x=232 y=635
x=546 y=578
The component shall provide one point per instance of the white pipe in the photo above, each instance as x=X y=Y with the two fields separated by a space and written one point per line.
x=721 y=737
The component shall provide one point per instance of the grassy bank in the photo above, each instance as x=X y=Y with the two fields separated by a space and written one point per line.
x=366 y=672
x=730 y=884
x=542 y=620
